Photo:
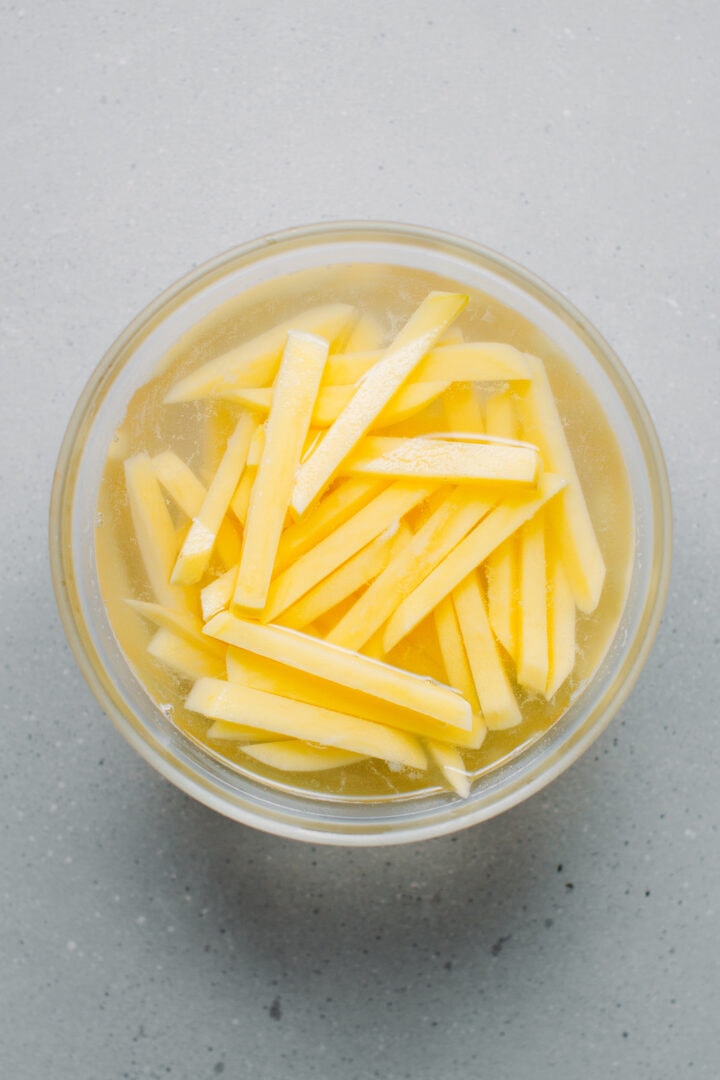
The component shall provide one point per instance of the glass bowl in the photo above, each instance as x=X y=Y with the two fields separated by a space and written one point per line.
x=279 y=808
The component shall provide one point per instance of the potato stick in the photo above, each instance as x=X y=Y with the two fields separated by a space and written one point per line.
x=333 y=400
x=294 y=392
x=293 y=755
x=242 y=734
x=462 y=408
x=256 y=362
x=184 y=623
x=445 y=460
x=500 y=523
x=361 y=569
x=497 y=700
x=260 y=673
x=418 y=335
x=217 y=595
x=543 y=425
x=561 y=622
x=501 y=565
x=374 y=518
x=222 y=700
x=532 y=653
x=188 y=660
x=452 y=520
x=452 y=650
x=334 y=509
x=451 y=765
x=469 y=362
x=195 y=554
x=189 y=493
x=241 y=498
x=258 y=444
x=154 y=530
x=347 y=668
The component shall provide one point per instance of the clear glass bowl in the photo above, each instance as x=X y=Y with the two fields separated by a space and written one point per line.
x=131 y=361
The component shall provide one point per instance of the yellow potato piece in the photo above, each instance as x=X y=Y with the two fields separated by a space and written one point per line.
x=334 y=509
x=293 y=755
x=256 y=362
x=183 y=623
x=445 y=528
x=532 y=653
x=227 y=701
x=543 y=425
x=260 y=673
x=445 y=460
x=449 y=761
x=344 y=667
x=452 y=362
x=499 y=524
x=373 y=519
x=462 y=408
x=295 y=391
x=154 y=530
x=216 y=596
x=352 y=575
x=240 y=502
x=189 y=493
x=188 y=660
x=455 y=661
x=501 y=565
x=497 y=700
x=197 y=549
x=419 y=334
x=561 y=622
x=242 y=734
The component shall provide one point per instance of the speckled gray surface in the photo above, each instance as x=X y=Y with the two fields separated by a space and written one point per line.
x=144 y=936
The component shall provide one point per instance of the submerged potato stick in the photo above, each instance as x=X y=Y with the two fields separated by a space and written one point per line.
x=295 y=392
x=154 y=530
x=374 y=392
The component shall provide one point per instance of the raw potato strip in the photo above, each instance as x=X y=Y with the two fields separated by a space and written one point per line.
x=344 y=500
x=445 y=460
x=468 y=362
x=195 y=554
x=470 y=552
x=240 y=501
x=501 y=566
x=367 y=333
x=294 y=755
x=451 y=765
x=184 y=623
x=561 y=622
x=295 y=391
x=419 y=334
x=453 y=519
x=532 y=653
x=256 y=362
x=227 y=731
x=347 y=668
x=497 y=700
x=358 y=571
x=543 y=425
x=189 y=660
x=189 y=493
x=452 y=649
x=260 y=673
x=217 y=595
x=154 y=529
x=374 y=518
x=222 y=700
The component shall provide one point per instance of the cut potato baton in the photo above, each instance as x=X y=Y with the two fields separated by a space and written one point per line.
x=227 y=701
x=256 y=362
x=154 y=530
x=347 y=668
x=532 y=653
x=418 y=335
x=561 y=622
x=294 y=755
x=183 y=623
x=501 y=565
x=451 y=765
x=295 y=391
x=500 y=523
x=446 y=460
x=189 y=493
x=188 y=660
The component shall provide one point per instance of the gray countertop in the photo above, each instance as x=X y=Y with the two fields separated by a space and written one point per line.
x=142 y=935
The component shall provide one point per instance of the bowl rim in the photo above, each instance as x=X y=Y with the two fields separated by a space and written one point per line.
x=457 y=814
